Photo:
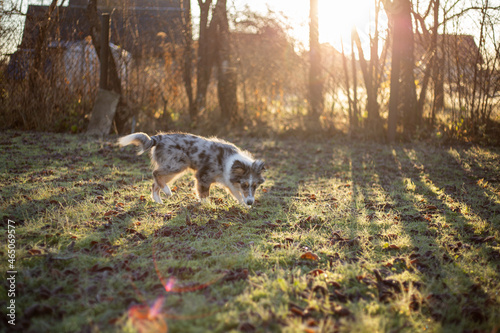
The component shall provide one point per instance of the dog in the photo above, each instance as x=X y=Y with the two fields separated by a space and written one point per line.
x=213 y=161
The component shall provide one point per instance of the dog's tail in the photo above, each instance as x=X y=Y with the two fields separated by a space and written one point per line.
x=139 y=139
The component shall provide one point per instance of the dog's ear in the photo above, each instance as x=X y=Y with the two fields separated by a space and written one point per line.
x=238 y=168
x=258 y=166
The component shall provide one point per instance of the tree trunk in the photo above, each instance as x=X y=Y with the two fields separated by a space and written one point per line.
x=403 y=95
x=205 y=60
x=188 y=54
x=114 y=83
x=392 y=120
x=315 y=77
x=369 y=71
x=122 y=114
x=408 y=87
x=355 y=108
x=438 y=105
x=347 y=90
x=226 y=70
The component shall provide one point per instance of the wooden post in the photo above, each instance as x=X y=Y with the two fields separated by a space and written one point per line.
x=103 y=82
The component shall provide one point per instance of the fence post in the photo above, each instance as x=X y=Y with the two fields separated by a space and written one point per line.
x=103 y=82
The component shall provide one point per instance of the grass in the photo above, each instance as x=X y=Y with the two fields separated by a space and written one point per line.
x=349 y=237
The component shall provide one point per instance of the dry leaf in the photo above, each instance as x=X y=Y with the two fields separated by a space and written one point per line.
x=111 y=212
x=34 y=252
x=316 y=272
x=310 y=256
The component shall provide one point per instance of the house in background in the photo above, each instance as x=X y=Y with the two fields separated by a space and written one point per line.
x=138 y=29
x=459 y=57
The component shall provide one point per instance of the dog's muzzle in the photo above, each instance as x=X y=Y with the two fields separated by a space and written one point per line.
x=249 y=201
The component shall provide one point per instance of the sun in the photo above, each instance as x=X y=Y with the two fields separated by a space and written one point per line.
x=337 y=18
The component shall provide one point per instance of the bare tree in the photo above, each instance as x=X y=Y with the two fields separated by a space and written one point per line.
x=372 y=73
x=403 y=97
x=226 y=68
x=114 y=82
x=315 y=72
x=205 y=60
x=352 y=112
x=187 y=60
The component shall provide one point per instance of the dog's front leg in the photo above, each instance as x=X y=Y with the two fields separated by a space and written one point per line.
x=155 y=193
x=237 y=195
x=203 y=191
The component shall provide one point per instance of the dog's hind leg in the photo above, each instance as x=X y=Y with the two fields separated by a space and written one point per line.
x=161 y=180
x=155 y=193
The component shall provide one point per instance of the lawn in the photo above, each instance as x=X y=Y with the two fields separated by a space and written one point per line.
x=344 y=237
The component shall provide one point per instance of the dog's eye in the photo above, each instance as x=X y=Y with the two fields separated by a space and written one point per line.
x=254 y=186
x=244 y=185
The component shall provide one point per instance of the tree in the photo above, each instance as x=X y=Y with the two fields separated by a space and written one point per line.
x=205 y=59
x=226 y=69
x=315 y=75
x=114 y=83
x=188 y=55
x=121 y=115
x=214 y=48
x=403 y=96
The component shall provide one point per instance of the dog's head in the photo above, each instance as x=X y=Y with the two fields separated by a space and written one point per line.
x=247 y=178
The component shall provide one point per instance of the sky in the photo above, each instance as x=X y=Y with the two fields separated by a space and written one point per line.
x=336 y=17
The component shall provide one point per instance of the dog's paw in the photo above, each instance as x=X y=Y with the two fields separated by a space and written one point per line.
x=204 y=201
x=167 y=191
x=156 y=197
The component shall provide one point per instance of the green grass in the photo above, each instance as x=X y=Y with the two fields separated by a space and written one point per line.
x=406 y=238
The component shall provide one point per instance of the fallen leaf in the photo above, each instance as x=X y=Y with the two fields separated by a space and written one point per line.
x=316 y=272
x=310 y=256
x=334 y=284
x=297 y=310
x=111 y=212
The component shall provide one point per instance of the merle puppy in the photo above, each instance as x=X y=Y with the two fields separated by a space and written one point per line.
x=212 y=159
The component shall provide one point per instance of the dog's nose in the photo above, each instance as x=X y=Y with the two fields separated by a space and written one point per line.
x=249 y=202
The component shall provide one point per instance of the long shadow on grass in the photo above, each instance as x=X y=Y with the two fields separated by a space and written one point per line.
x=462 y=184
x=410 y=199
